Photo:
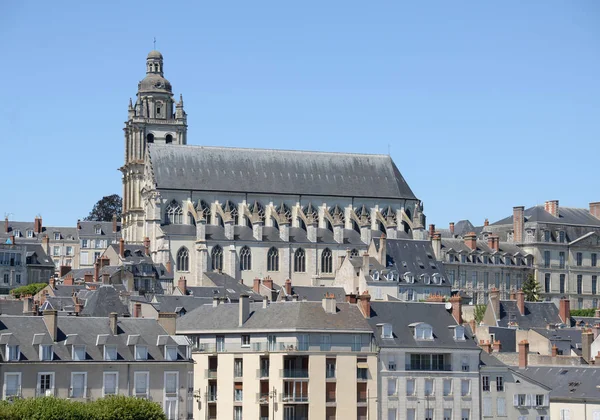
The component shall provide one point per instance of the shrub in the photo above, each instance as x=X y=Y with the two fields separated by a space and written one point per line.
x=583 y=312
x=30 y=289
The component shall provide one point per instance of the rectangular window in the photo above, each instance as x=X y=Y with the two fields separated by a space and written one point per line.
x=84 y=243
x=497 y=280
x=303 y=342
x=356 y=342
x=56 y=251
x=46 y=352
x=546 y=236
x=465 y=387
x=487 y=406
x=12 y=384
x=561 y=259
x=547 y=283
x=447 y=414
x=96 y=256
x=410 y=387
x=237 y=413
x=392 y=414
x=410 y=414
x=562 y=283
x=57 y=236
x=561 y=236
x=594 y=285
x=13 y=352
x=540 y=400
x=245 y=340
x=429 y=414
x=325 y=342
x=238 y=368
x=507 y=281
x=110 y=352
x=272 y=341
x=18 y=278
x=546 y=259
x=474 y=279
x=69 y=250
x=171 y=353
x=579 y=284
x=464 y=360
x=565 y=414
x=594 y=259
x=485 y=383
x=500 y=383
x=221 y=343
x=463 y=279
x=141 y=352
x=429 y=387
x=140 y=380
x=486 y=280
x=238 y=392
x=519 y=400
x=78 y=385
x=391 y=386
x=83 y=258
x=447 y=387
x=110 y=383
x=501 y=406
x=330 y=368
x=579 y=257
x=171 y=382
x=45 y=384
x=465 y=414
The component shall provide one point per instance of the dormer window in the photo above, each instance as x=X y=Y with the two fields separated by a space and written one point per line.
x=392 y=276
x=78 y=353
x=13 y=352
x=426 y=279
x=437 y=279
x=110 y=352
x=486 y=259
x=171 y=353
x=408 y=277
x=98 y=230
x=46 y=352
x=474 y=259
x=561 y=236
x=507 y=260
x=386 y=331
x=459 y=333
x=497 y=259
x=141 y=352
x=30 y=233
x=375 y=275
x=57 y=236
x=17 y=233
x=422 y=331
x=463 y=258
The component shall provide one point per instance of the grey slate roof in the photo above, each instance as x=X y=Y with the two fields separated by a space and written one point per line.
x=566 y=215
x=276 y=316
x=566 y=334
x=134 y=254
x=537 y=314
x=61 y=290
x=417 y=257
x=86 y=331
x=231 y=287
x=103 y=301
x=88 y=230
x=316 y=293
x=482 y=246
x=402 y=314
x=507 y=338
x=173 y=303
x=276 y=171
x=11 y=307
x=566 y=381
x=486 y=359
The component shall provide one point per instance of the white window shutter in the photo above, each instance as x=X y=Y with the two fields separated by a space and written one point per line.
x=596 y=415
x=547 y=402
x=515 y=400
x=527 y=400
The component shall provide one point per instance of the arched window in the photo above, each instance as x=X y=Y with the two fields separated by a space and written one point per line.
x=326 y=261
x=354 y=253
x=174 y=213
x=169 y=139
x=273 y=259
x=299 y=261
x=245 y=259
x=150 y=138
x=183 y=259
x=216 y=257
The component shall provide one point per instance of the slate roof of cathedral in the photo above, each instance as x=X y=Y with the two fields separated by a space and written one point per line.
x=293 y=172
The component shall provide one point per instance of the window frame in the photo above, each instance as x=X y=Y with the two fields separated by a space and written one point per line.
x=135 y=383
x=38 y=387
x=72 y=389
x=104 y=375
x=19 y=383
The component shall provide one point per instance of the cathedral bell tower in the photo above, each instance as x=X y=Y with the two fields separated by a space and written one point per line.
x=155 y=118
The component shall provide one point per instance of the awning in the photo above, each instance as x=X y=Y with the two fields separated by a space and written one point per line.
x=362 y=365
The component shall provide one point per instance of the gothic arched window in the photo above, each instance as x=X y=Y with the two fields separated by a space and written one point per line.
x=299 y=261
x=245 y=259
x=326 y=261
x=169 y=139
x=216 y=257
x=174 y=214
x=273 y=259
x=354 y=253
x=150 y=138
x=183 y=259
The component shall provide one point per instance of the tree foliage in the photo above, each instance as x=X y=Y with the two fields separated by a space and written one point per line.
x=106 y=208
x=110 y=408
x=583 y=312
x=479 y=312
x=30 y=289
x=532 y=289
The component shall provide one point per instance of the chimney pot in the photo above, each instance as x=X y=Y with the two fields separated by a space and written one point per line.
x=288 y=287
x=244 y=309
x=587 y=338
x=168 y=320
x=564 y=311
x=523 y=354
x=554 y=350
x=182 y=285
x=114 y=223
x=518 y=223
x=37 y=224
x=51 y=321
x=122 y=247
x=256 y=285
x=595 y=209
x=365 y=304
x=137 y=310
x=431 y=230
x=471 y=240
x=268 y=282
x=456 y=308
x=113 y=318
x=521 y=302
x=552 y=207
x=497 y=346
x=451 y=226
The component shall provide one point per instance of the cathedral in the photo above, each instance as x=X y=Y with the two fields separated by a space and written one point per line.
x=251 y=213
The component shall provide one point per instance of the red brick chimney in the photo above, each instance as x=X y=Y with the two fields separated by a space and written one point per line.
x=68 y=281
x=63 y=270
x=521 y=302
x=431 y=230
x=554 y=350
x=497 y=346
x=552 y=207
x=147 y=246
x=587 y=337
x=486 y=222
x=595 y=209
x=351 y=298
x=451 y=228
x=37 y=224
x=114 y=223
x=169 y=266
x=52 y=282
x=88 y=278
x=494 y=242
x=564 y=311
x=523 y=353
x=182 y=285
x=268 y=282
x=485 y=346
x=471 y=240
x=365 y=304
x=518 y=223
x=122 y=247
x=256 y=285
x=456 y=308
x=78 y=306
x=288 y=287
x=137 y=310
x=97 y=271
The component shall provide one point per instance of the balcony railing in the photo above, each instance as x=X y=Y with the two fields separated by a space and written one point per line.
x=445 y=367
x=294 y=398
x=262 y=373
x=294 y=373
x=285 y=346
x=212 y=397
x=210 y=373
x=262 y=398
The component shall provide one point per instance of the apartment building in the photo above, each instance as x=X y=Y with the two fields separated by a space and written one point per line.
x=428 y=362
x=85 y=358
x=21 y=264
x=283 y=360
x=94 y=237
x=565 y=245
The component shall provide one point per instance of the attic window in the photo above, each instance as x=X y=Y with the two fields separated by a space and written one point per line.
x=459 y=333
x=392 y=276
x=30 y=233
x=420 y=263
x=404 y=264
x=17 y=233
x=386 y=331
x=423 y=331
x=426 y=279
x=408 y=277
x=375 y=275
x=429 y=256
x=98 y=230
x=57 y=236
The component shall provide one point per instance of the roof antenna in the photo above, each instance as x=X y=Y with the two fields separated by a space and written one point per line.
x=154 y=43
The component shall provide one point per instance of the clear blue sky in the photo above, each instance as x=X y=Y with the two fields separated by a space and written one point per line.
x=485 y=105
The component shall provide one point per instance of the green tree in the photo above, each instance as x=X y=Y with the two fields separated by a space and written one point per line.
x=106 y=208
x=532 y=289
x=479 y=312
x=30 y=289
